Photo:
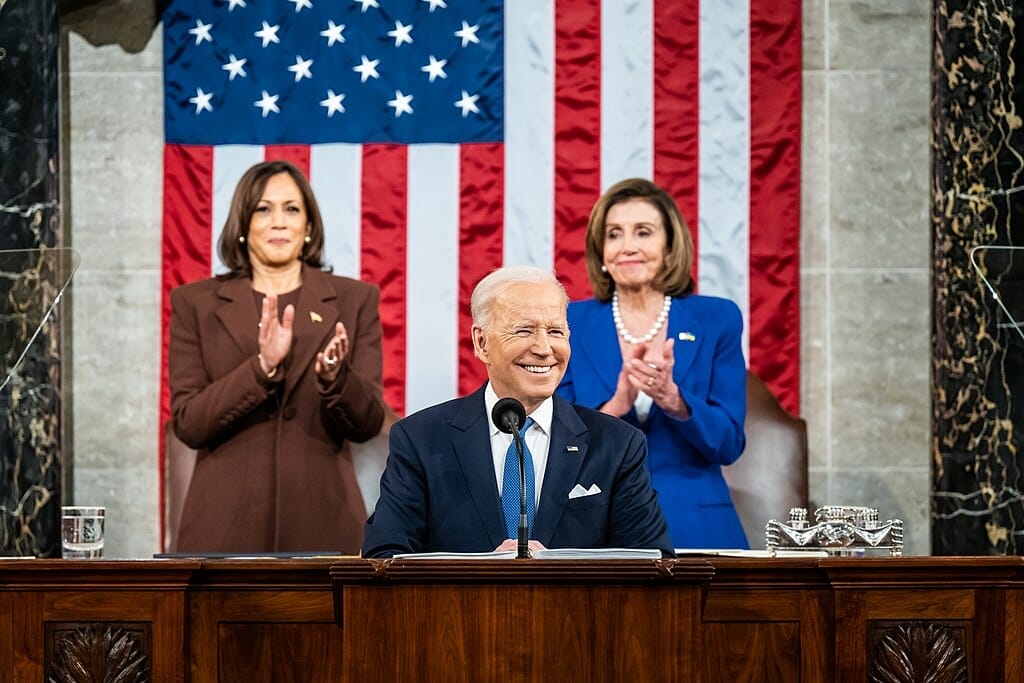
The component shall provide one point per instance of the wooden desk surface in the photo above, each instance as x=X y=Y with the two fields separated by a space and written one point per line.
x=336 y=619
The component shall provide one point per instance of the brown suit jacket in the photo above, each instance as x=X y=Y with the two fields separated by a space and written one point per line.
x=273 y=471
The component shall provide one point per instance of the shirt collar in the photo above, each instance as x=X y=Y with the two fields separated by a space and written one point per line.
x=541 y=416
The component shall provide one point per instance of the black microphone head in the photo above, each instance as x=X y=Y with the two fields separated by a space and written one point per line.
x=508 y=415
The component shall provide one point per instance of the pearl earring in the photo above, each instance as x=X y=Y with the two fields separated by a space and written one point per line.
x=604 y=268
x=308 y=239
x=241 y=239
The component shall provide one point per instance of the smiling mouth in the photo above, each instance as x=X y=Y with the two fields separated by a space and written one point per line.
x=537 y=369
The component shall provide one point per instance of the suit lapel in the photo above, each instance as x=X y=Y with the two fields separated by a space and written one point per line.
x=689 y=335
x=566 y=450
x=471 y=440
x=238 y=314
x=311 y=331
x=601 y=348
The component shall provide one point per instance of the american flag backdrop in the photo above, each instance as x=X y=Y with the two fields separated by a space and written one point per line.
x=444 y=138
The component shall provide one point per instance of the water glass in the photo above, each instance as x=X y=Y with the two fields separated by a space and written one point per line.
x=81 y=532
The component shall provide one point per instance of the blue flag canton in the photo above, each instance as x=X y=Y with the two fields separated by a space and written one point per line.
x=318 y=71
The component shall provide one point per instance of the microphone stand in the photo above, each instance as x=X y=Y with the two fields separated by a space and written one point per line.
x=523 y=552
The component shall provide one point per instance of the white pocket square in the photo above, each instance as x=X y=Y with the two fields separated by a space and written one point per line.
x=579 y=492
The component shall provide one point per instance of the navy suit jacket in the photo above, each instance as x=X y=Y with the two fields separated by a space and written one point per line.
x=439 y=491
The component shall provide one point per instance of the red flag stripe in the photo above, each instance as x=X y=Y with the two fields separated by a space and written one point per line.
x=187 y=211
x=775 y=63
x=296 y=154
x=676 y=107
x=383 y=239
x=577 y=135
x=481 y=221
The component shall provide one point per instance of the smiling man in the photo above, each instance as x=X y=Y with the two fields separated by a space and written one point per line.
x=449 y=465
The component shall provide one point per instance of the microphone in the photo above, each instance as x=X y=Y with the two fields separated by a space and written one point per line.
x=509 y=415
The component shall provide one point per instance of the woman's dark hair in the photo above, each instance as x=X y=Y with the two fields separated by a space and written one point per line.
x=235 y=252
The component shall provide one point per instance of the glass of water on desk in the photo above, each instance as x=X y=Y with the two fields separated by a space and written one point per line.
x=81 y=532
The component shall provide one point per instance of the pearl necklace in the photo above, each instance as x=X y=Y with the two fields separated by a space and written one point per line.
x=624 y=333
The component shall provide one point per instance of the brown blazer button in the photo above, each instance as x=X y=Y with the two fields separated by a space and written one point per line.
x=289 y=412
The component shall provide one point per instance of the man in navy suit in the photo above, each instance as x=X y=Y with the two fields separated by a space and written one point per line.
x=442 y=487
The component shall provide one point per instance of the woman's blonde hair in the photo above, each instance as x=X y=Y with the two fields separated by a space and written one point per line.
x=674 y=278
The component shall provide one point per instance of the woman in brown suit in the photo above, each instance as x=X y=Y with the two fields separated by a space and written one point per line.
x=273 y=367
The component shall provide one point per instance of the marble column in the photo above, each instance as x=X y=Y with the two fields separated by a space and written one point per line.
x=977 y=199
x=30 y=433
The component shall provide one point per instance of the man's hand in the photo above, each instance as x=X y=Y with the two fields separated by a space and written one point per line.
x=513 y=545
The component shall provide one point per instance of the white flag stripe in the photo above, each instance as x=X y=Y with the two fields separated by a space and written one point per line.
x=230 y=162
x=724 y=159
x=334 y=173
x=627 y=91
x=432 y=276
x=530 y=133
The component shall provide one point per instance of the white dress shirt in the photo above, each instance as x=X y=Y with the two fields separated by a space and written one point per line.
x=538 y=437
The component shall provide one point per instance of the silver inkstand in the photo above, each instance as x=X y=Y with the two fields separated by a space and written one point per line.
x=840 y=530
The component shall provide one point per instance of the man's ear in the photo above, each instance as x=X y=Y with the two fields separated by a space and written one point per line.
x=479 y=343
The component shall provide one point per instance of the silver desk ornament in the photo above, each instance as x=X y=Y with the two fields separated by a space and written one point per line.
x=837 y=529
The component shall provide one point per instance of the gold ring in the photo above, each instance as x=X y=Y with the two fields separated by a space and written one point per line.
x=650 y=381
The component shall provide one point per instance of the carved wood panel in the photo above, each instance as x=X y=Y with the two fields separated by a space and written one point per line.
x=104 y=652
x=918 y=651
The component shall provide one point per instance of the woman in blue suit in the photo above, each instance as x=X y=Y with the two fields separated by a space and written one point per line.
x=649 y=350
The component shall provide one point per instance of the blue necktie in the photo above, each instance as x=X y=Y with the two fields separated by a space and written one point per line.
x=510 y=485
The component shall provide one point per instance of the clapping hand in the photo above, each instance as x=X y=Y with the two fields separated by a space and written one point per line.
x=626 y=388
x=329 y=360
x=652 y=373
x=275 y=337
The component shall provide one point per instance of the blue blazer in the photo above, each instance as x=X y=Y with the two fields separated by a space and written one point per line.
x=685 y=456
x=439 y=491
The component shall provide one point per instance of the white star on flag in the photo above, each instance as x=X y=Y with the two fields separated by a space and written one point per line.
x=401 y=34
x=235 y=67
x=367 y=3
x=232 y=4
x=301 y=68
x=434 y=4
x=201 y=100
x=367 y=69
x=333 y=103
x=401 y=103
x=435 y=68
x=299 y=4
x=333 y=33
x=468 y=33
x=201 y=32
x=268 y=34
x=268 y=103
x=467 y=103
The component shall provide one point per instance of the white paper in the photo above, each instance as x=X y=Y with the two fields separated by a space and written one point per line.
x=597 y=554
x=738 y=552
x=492 y=555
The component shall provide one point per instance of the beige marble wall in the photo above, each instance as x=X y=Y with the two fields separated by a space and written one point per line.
x=866 y=260
x=865 y=270
x=114 y=153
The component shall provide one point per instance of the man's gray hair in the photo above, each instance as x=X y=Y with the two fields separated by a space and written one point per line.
x=481 y=304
